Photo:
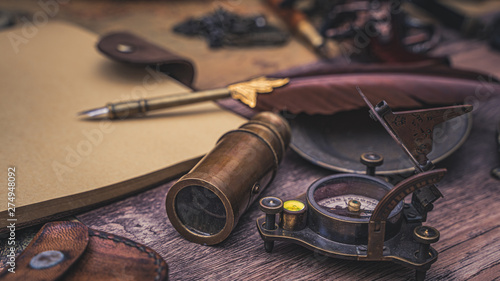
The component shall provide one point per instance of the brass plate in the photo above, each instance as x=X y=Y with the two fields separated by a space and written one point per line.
x=336 y=142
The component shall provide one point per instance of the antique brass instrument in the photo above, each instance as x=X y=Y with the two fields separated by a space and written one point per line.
x=363 y=217
x=204 y=205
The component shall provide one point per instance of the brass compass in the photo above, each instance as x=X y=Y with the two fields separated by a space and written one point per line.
x=363 y=217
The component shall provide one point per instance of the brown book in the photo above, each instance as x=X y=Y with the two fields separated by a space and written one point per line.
x=64 y=164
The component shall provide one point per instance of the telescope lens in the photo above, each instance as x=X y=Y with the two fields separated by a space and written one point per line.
x=200 y=210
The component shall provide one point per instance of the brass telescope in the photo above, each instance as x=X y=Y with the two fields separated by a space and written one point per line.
x=205 y=204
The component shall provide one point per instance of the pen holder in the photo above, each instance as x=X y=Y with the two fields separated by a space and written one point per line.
x=205 y=204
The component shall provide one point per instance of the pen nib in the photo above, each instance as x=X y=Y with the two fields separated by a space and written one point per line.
x=95 y=113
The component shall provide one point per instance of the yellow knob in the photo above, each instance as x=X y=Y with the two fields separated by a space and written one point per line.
x=293 y=205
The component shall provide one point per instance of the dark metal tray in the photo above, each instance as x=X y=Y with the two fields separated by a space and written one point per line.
x=337 y=141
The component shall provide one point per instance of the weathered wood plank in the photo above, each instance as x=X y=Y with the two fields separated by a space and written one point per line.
x=467 y=217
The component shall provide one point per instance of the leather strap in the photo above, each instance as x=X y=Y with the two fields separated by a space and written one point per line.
x=129 y=48
x=87 y=254
x=69 y=238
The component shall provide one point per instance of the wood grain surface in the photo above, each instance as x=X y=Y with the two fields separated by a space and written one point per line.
x=468 y=216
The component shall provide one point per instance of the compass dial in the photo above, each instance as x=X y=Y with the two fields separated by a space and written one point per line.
x=341 y=205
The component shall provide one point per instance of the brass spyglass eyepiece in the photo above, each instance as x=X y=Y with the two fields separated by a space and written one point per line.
x=204 y=205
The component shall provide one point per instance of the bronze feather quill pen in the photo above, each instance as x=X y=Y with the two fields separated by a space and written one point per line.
x=246 y=92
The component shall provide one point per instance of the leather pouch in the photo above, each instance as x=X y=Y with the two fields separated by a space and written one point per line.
x=71 y=251
x=128 y=48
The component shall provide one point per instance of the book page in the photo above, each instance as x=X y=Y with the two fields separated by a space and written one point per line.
x=50 y=75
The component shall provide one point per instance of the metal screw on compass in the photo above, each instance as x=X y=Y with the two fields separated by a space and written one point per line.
x=371 y=160
x=270 y=206
x=425 y=235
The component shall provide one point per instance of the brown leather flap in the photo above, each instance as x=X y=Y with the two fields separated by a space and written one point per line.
x=70 y=251
x=69 y=239
x=129 y=48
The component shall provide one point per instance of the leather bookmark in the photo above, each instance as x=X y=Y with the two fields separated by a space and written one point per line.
x=71 y=251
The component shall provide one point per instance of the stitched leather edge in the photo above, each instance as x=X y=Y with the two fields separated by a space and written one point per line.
x=159 y=261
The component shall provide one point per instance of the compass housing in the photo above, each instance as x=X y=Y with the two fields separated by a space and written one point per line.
x=348 y=228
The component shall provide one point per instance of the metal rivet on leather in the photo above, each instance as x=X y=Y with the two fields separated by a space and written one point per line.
x=124 y=48
x=46 y=259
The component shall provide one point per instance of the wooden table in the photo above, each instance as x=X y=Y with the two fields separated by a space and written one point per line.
x=467 y=217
